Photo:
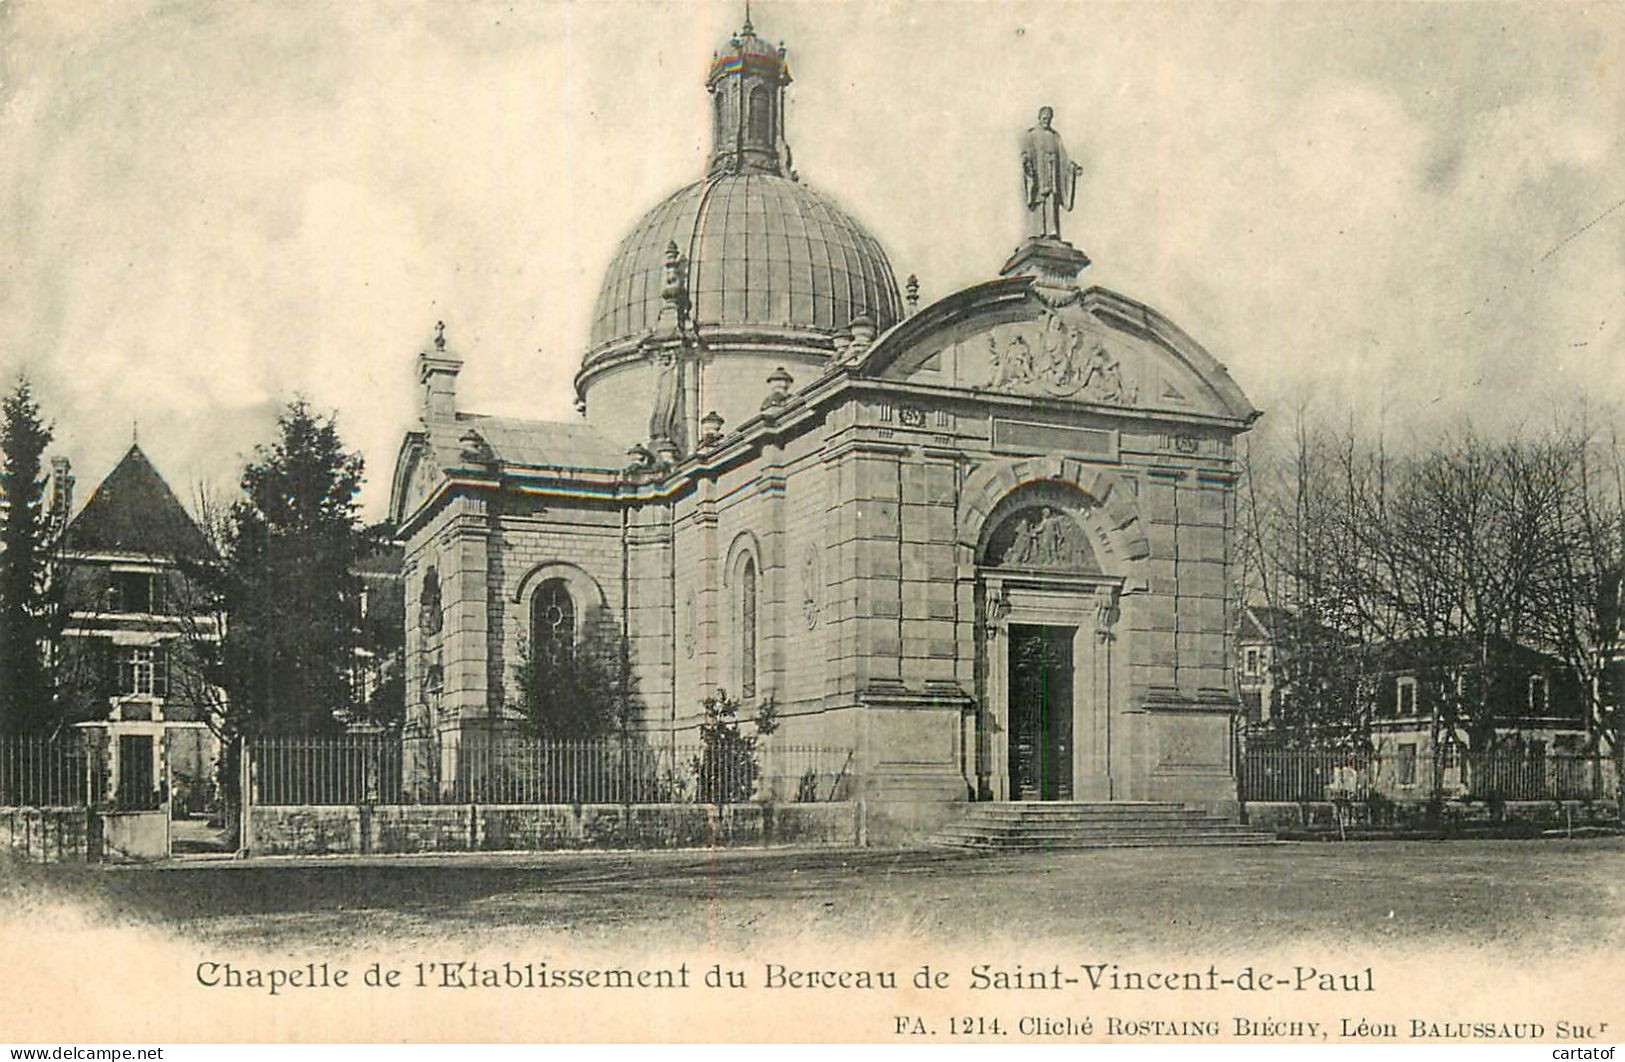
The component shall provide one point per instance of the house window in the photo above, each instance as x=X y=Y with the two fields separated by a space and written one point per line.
x=747 y=629
x=553 y=620
x=138 y=592
x=1406 y=695
x=1539 y=695
x=1407 y=764
x=144 y=671
x=1249 y=658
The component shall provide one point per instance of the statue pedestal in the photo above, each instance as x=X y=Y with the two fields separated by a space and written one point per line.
x=1047 y=257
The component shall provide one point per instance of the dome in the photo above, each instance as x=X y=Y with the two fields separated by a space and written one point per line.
x=761 y=250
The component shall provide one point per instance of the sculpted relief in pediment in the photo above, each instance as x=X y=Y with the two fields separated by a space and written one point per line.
x=425 y=477
x=1088 y=347
x=1057 y=358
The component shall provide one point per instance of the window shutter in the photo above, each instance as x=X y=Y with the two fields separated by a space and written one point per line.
x=126 y=669
x=160 y=593
x=107 y=660
x=160 y=671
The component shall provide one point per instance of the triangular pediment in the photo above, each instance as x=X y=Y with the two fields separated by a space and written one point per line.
x=1088 y=346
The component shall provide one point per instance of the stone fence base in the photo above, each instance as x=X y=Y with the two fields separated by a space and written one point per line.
x=50 y=835
x=1272 y=815
x=403 y=828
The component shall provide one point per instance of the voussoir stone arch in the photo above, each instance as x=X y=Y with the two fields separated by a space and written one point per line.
x=1122 y=544
x=584 y=589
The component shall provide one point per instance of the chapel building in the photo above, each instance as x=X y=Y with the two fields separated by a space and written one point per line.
x=984 y=543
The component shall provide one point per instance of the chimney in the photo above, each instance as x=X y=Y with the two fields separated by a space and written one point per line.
x=61 y=492
x=437 y=382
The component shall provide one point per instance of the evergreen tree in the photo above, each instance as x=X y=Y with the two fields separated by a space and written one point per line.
x=289 y=584
x=30 y=619
x=580 y=694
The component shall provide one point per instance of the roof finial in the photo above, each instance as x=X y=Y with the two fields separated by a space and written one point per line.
x=135 y=431
x=748 y=27
x=440 y=335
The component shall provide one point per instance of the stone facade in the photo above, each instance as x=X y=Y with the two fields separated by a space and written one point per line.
x=876 y=546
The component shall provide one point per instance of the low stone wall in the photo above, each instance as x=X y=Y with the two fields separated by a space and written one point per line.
x=305 y=830
x=50 y=835
x=405 y=828
x=1323 y=814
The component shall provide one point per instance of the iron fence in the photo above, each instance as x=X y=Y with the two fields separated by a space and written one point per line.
x=1300 y=775
x=49 y=772
x=385 y=769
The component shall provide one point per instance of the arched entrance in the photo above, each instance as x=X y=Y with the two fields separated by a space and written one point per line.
x=1045 y=650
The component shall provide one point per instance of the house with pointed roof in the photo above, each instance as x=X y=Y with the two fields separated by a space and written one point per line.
x=130 y=663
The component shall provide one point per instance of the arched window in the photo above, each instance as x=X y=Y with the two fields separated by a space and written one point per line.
x=747 y=629
x=760 y=116
x=553 y=620
x=719 y=123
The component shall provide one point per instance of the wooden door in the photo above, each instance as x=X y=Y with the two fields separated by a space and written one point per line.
x=1040 y=712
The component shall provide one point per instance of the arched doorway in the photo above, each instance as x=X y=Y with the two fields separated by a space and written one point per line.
x=1045 y=650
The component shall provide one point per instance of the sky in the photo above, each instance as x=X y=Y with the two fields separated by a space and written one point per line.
x=1404 y=213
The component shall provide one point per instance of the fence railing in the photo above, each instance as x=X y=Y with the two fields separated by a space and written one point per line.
x=1298 y=775
x=49 y=772
x=385 y=769
x=1304 y=775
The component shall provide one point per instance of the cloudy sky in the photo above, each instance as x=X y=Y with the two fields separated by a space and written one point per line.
x=1413 y=210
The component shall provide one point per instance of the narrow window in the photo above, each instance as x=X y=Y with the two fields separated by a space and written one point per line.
x=747 y=629
x=1407 y=764
x=1538 y=695
x=1251 y=658
x=1407 y=696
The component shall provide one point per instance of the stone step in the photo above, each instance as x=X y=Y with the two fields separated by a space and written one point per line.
x=1103 y=824
x=1133 y=841
x=1016 y=826
x=1043 y=823
x=1086 y=820
x=1057 y=836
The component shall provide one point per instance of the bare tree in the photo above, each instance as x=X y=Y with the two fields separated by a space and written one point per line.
x=1448 y=560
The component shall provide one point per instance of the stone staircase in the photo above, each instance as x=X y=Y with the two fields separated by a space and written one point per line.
x=1048 y=826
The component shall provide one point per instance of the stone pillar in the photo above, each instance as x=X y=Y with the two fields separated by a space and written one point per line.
x=465 y=721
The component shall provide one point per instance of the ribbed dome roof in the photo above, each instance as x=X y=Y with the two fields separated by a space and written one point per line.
x=760 y=249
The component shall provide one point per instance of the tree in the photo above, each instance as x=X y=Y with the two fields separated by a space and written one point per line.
x=578 y=692
x=380 y=661
x=31 y=617
x=1448 y=560
x=288 y=586
x=729 y=761
x=1297 y=542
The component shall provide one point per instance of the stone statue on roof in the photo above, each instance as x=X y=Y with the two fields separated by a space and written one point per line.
x=1049 y=175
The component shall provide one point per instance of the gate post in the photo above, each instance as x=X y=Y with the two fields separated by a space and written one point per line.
x=245 y=798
